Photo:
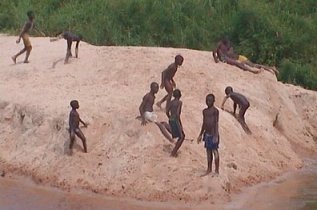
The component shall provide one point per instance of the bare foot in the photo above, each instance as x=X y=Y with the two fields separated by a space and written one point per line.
x=216 y=174
x=173 y=155
x=14 y=59
x=26 y=61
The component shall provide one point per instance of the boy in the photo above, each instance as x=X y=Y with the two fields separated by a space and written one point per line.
x=244 y=60
x=174 y=125
x=222 y=53
x=210 y=134
x=28 y=26
x=74 y=121
x=238 y=99
x=70 y=38
x=168 y=81
x=146 y=107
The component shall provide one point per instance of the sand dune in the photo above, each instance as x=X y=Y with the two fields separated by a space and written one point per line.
x=126 y=159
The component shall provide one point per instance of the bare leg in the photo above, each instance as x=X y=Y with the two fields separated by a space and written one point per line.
x=28 y=52
x=241 y=119
x=14 y=58
x=216 y=154
x=178 y=144
x=68 y=53
x=76 y=49
x=169 y=89
x=83 y=139
x=241 y=65
x=159 y=104
x=209 y=162
x=165 y=129
x=72 y=140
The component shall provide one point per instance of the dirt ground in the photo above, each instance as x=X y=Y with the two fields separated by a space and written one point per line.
x=126 y=159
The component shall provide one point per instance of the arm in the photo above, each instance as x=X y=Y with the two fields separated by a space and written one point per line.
x=179 y=109
x=173 y=83
x=80 y=120
x=202 y=130
x=224 y=101
x=214 y=54
x=162 y=79
x=217 y=124
x=168 y=109
x=141 y=109
x=234 y=108
x=25 y=28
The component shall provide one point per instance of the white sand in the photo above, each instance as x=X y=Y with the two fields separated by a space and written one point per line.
x=126 y=159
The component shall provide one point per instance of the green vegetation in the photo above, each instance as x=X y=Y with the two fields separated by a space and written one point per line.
x=273 y=32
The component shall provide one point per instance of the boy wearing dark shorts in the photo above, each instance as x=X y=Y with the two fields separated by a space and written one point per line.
x=210 y=134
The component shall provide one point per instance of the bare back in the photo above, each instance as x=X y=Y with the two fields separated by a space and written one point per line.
x=71 y=37
x=175 y=109
x=239 y=99
x=27 y=27
x=170 y=72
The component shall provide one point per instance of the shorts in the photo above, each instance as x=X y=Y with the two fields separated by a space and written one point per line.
x=211 y=142
x=176 y=128
x=26 y=40
x=150 y=116
x=242 y=58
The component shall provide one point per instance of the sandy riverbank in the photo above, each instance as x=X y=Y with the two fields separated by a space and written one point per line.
x=126 y=159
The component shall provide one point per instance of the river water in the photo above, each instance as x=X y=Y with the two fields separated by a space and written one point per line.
x=292 y=191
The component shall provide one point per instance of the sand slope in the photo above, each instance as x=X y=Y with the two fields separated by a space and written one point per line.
x=126 y=159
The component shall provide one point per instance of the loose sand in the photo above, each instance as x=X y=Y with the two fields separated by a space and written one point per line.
x=126 y=159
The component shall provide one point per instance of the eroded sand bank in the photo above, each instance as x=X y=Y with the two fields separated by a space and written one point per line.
x=126 y=159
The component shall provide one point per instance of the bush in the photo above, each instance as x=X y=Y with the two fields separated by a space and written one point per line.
x=268 y=32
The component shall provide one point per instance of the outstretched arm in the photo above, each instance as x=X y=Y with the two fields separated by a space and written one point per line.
x=224 y=101
x=85 y=124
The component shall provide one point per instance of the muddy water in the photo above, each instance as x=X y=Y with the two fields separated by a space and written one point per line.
x=23 y=195
x=292 y=191
x=295 y=190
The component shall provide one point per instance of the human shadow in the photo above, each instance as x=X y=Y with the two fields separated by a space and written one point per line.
x=55 y=62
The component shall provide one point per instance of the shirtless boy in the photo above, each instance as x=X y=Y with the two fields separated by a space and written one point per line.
x=28 y=26
x=238 y=99
x=74 y=129
x=174 y=125
x=221 y=53
x=70 y=38
x=146 y=107
x=168 y=81
x=210 y=134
